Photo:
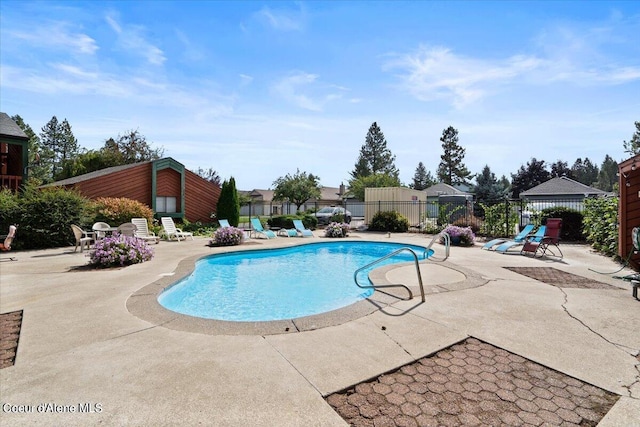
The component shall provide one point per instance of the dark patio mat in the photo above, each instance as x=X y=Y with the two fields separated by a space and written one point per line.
x=10 y=324
x=562 y=279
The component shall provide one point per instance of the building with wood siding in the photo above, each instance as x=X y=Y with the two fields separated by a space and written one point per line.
x=629 y=207
x=164 y=185
x=14 y=154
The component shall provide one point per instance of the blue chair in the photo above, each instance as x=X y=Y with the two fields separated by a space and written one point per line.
x=520 y=237
x=224 y=223
x=259 y=229
x=537 y=236
x=300 y=228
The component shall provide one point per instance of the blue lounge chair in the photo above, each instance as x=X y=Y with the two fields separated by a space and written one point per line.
x=519 y=238
x=259 y=229
x=300 y=228
x=537 y=236
x=224 y=223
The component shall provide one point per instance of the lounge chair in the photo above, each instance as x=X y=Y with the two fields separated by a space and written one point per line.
x=288 y=232
x=170 y=230
x=8 y=240
x=538 y=247
x=300 y=228
x=539 y=234
x=83 y=238
x=127 y=229
x=224 y=223
x=518 y=238
x=142 y=230
x=259 y=229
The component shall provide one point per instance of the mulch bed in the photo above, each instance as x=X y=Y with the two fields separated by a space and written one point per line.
x=10 y=325
x=562 y=279
x=473 y=383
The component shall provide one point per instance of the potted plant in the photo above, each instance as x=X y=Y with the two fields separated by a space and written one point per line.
x=460 y=236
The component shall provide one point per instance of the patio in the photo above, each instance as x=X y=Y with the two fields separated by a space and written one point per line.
x=90 y=361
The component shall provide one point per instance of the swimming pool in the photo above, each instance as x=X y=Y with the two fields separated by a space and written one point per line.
x=276 y=284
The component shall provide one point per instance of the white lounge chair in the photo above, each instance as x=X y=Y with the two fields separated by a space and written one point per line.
x=170 y=230
x=142 y=230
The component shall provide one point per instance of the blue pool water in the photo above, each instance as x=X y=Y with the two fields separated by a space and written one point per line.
x=275 y=284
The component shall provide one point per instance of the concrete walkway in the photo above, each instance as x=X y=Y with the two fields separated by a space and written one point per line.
x=85 y=359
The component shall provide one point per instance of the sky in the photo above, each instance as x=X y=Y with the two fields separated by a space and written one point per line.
x=258 y=90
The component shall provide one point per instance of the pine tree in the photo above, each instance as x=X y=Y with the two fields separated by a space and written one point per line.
x=584 y=171
x=633 y=145
x=58 y=140
x=374 y=156
x=607 y=178
x=422 y=178
x=451 y=170
x=533 y=174
x=488 y=188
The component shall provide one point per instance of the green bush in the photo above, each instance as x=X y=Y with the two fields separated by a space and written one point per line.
x=571 y=222
x=600 y=224
x=228 y=206
x=389 y=221
x=10 y=211
x=286 y=221
x=118 y=210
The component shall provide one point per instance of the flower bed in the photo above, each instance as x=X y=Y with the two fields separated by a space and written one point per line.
x=227 y=236
x=119 y=250
x=460 y=236
x=337 y=229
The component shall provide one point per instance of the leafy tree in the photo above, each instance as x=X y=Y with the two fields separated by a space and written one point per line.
x=59 y=143
x=297 y=188
x=422 y=178
x=228 y=204
x=131 y=148
x=89 y=161
x=608 y=175
x=209 y=174
x=488 y=188
x=37 y=170
x=584 y=171
x=535 y=173
x=560 y=168
x=633 y=145
x=374 y=156
x=357 y=186
x=451 y=170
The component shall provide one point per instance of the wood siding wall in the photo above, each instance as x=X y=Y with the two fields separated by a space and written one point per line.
x=133 y=183
x=629 y=208
x=168 y=183
x=201 y=198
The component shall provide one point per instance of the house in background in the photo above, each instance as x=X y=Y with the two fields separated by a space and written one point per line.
x=262 y=203
x=164 y=185
x=562 y=189
x=629 y=208
x=14 y=154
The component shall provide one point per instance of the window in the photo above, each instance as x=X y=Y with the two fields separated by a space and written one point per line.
x=166 y=204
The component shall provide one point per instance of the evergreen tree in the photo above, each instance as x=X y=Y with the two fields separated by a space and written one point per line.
x=228 y=206
x=374 y=156
x=633 y=145
x=560 y=168
x=422 y=178
x=488 y=188
x=608 y=176
x=535 y=173
x=37 y=170
x=451 y=170
x=584 y=171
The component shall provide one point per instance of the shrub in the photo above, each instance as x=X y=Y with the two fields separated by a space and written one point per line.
x=600 y=224
x=228 y=206
x=389 y=221
x=118 y=210
x=571 y=221
x=10 y=211
x=286 y=221
x=337 y=229
x=464 y=234
x=120 y=250
x=227 y=236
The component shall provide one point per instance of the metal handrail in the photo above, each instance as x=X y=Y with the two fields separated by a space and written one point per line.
x=447 y=244
x=415 y=257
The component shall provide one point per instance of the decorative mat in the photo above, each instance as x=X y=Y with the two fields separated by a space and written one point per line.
x=562 y=279
x=473 y=383
x=10 y=325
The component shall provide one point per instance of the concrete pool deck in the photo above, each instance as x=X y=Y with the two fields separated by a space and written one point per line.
x=82 y=347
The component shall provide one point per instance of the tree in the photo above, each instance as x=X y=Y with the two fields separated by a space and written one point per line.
x=228 y=206
x=357 y=186
x=131 y=148
x=422 y=178
x=488 y=188
x=560 y=168
x=59 y=143
x=584 y=171
x=297 y=188
x=36 y=169
x=535 y=173
x=608 y=175
x=209 y=174
x=374 y=156
x=633 y=145
x=451 y=170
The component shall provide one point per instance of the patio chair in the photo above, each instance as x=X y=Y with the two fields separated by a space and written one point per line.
x=539 y=234
x=518 y=238
x=142 y=230
x=170 y=230
x=8 y=240
x=538 y=247
x=259 y=229
x=300 y=228
x=224 y=223
x=288 y=232
x=127 y=229
x=83 y=238
x=100 y=229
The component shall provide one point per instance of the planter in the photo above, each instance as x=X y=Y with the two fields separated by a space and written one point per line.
x=455 y=240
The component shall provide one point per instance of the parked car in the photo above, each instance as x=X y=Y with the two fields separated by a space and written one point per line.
x=326 y=214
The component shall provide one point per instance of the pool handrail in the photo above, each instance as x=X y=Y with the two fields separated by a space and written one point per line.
x=447 y=245
x=372 y=286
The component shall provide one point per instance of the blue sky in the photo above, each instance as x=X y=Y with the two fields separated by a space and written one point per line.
x=256 y=90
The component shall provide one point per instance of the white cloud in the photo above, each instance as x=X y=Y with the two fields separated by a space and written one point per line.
x=282 y=20
x=57 y=35
x=131 y=38
x=304 y=90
